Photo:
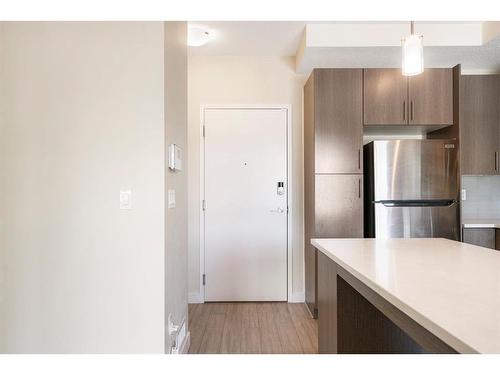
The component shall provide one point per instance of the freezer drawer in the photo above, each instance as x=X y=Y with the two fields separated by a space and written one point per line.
x=395 y=221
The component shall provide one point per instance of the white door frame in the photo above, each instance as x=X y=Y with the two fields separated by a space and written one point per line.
x=283 y=107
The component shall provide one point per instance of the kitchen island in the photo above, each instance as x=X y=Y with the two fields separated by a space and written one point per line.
x=407 y=296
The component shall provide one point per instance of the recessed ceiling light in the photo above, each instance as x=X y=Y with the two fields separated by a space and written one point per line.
x=198 y=36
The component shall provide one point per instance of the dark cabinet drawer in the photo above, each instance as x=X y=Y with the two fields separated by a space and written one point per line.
x=485 y=237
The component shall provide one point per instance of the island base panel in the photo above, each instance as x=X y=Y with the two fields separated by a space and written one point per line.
x=327 y=305
x=362 y=329
x=352 y=318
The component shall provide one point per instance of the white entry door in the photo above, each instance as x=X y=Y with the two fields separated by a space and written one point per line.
x=245 y=204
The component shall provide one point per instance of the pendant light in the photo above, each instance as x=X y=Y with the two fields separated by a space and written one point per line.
x=413 y=53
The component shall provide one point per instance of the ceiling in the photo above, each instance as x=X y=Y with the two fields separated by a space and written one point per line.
x=480 y=59
x=355 y=44
x=251 y=38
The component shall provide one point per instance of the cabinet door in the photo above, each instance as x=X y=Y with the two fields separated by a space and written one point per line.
x=385 y=97
x=431 y=97
x=479 y=124
x=338 y=120
x=339 y=206
x=484 y=237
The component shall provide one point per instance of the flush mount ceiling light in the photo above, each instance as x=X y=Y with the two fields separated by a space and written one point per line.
x=413 y=53
x=198 y=36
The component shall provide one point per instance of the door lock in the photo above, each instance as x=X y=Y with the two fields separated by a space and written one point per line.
x=281 y=188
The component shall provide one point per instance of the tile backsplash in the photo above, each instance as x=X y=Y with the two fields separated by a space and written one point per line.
x=483 y=197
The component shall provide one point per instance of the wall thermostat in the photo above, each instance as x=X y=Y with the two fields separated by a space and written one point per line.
x=175 y=157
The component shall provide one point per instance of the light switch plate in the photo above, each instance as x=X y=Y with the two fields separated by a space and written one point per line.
x=126 y=199
x=464 y=194
x=171 y=198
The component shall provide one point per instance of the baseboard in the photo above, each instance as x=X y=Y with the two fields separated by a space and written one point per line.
x=297 y=297
x=195 y=298
x=184 y=349
x=294 y=298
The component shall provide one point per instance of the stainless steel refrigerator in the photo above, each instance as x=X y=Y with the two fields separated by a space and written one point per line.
x=411 y=189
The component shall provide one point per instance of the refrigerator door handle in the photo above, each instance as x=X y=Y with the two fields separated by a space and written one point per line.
x=418 y=203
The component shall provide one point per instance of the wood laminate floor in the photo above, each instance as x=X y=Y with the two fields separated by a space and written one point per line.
x=261 y=327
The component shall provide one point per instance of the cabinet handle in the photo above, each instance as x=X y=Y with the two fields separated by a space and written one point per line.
x=359 y=187
x=496 y=161
x=404 y=110
x=411 y=110
x=359 y=158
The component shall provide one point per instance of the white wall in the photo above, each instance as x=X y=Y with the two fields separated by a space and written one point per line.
x=245 y=81
x=176 y=132
x=82 y=108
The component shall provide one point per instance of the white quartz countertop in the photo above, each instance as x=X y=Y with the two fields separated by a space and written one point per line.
x=450 y=288
x=482 y=223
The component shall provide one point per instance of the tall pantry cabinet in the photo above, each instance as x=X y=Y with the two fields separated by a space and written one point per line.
x=333 y=170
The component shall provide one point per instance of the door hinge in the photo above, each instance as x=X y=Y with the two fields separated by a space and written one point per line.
x=203 y=205
x=203 y=130
x=204 y=279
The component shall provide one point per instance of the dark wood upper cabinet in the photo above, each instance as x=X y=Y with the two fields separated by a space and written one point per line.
x=430 y=97
x=393 y=99
x=385 y=97
x=338 y=111
x=479 y=124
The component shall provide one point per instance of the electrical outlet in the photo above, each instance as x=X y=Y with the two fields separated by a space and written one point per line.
x=171 y=198
x=126 y=199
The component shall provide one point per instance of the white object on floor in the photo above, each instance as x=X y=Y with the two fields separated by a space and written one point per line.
x=179 y=336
